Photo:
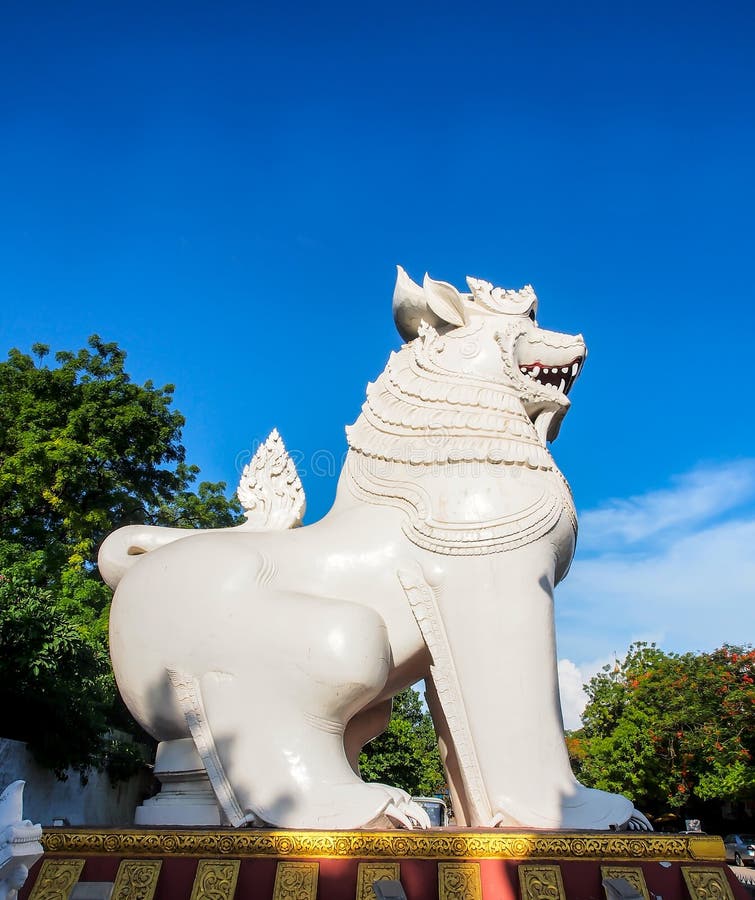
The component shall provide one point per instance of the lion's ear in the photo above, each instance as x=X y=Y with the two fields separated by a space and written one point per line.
x=435 y=303
x=445 y=301
x=410 y=306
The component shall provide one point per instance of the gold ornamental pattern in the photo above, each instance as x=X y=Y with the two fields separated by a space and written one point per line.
x=379 y=871
x=296 y=881
x=216 y=879
x=56 y=879
x=398 y=844
x=136 y=879
x=459 y=881
x=706 y=883
x=541 y=883
x=633 y=874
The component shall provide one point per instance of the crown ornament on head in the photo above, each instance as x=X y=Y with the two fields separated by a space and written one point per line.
x=497 y=299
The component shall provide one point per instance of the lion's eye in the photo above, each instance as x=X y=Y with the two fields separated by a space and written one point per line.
x=532 y=314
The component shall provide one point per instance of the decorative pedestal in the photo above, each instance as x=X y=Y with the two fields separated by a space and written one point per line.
x=442 y=864
x=185 y=795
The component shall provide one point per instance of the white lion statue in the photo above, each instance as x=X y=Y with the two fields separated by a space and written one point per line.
x=278 y=649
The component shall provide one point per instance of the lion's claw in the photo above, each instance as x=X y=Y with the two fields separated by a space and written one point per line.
x=637 y=822
x=408 y=814
x=419 y=815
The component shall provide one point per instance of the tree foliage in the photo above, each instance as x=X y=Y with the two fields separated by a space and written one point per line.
x=671 y=731
x=83 y=450
x=55 y=684
x=406 y=754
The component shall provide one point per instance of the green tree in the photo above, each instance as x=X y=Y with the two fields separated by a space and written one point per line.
x=671 y=731
x=406 y=753
x=83 y=450
x=55 y=683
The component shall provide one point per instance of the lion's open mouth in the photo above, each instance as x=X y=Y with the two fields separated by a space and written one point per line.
x=561 y=377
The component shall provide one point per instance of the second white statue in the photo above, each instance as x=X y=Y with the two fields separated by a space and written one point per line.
x=278 y=648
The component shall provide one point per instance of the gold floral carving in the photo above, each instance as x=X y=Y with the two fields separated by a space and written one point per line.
x=369 y=872
x=136 y=879
x=398 y=844
x=706 y=883
x=56 y=879
x=296 y=881
x=459 y=881
x=632 y=874
x=215 y=879
x=541 y=883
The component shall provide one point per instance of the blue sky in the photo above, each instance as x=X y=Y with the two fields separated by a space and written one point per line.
x=224 y=189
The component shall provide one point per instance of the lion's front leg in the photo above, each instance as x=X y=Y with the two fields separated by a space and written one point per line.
x=500 y=671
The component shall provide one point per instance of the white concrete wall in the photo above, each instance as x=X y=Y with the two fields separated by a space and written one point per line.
x=46 y=798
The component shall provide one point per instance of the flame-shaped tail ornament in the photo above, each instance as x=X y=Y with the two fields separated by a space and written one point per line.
x=270 y=489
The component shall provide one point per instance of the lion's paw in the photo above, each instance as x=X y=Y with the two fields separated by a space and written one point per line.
x=582 y=808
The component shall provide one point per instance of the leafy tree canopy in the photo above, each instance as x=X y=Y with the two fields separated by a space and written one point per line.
x=671 y=731
x=55 y=684
x=406 y=754
x=83 y=450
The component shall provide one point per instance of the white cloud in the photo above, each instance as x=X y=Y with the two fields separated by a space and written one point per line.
x=696 y=497
x=573 y=698
x=696 y=593
x=571 y=679
x=671 y=566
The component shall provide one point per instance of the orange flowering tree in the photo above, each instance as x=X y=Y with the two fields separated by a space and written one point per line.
x=671 y=731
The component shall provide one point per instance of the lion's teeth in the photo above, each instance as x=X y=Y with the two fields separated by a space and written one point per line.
x=523 y=370
x=562 y=385
x=565 y=370
x=546 y=371
x=536 y=371
x=575 y=368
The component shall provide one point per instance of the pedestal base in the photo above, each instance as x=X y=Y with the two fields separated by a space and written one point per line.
x=440 y=864
x=186 y=797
